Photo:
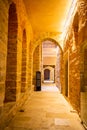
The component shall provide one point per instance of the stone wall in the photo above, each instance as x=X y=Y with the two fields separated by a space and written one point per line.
x=74 y=39
x=3 y=49
x=14 y=57
x=19 y=62
x=58 y=69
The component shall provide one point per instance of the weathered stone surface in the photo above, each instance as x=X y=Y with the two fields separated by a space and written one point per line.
x=20 y=55
x=76 y=35
x=36 y=62
x=46 y=111
x=13 y=20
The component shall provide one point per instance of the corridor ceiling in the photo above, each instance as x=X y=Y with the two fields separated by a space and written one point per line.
x=48 y=15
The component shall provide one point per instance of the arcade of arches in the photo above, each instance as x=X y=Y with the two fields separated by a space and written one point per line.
x=23 y=52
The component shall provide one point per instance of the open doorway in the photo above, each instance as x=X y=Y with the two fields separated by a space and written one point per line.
x=51 y=54
x=46 y=59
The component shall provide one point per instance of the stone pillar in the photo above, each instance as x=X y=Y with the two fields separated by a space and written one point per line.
x=3 y=53
x=36 y=62
x=58 y=69
x=24 y=64
x=30 y=67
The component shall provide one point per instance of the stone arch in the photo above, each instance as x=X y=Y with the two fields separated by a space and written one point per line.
x=11 y=68
x=24 y=58
x=57 y=69
x=44 y=37
x=54 y=41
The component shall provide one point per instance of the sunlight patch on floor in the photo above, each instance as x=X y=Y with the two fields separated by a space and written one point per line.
x=59 y=121
x=49 y=87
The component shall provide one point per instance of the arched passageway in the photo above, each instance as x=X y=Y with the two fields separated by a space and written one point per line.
x=47 y=59
x=18 y=61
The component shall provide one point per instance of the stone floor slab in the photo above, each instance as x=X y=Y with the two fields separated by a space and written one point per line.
x=46 y=110
x=63 y=122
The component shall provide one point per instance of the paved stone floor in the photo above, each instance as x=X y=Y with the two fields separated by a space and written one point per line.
x=46 y=110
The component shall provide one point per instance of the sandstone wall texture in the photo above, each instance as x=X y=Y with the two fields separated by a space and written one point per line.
x=58 y=69
x=37 y=62
x=20 y=57
x=73 y=63
x=15 y=37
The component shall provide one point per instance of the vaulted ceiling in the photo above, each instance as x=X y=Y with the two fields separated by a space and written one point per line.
x=47 y=15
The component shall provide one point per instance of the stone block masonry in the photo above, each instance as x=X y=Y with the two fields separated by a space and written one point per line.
x=13 y=81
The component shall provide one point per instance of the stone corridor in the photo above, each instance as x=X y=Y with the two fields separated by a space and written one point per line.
x=46 y=110
x=49 y=37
